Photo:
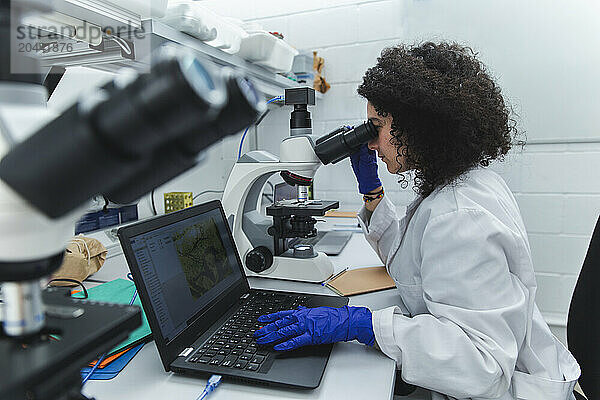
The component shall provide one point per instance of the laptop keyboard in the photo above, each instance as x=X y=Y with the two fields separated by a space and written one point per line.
x=233 y=345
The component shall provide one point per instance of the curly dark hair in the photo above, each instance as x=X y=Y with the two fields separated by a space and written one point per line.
x=448 y=115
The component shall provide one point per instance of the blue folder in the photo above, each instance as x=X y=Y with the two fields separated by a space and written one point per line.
x=112 y=369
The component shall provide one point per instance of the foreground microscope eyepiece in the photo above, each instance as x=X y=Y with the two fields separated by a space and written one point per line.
x=131 y=136
x=242 y=107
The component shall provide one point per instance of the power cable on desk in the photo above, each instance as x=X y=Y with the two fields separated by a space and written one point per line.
x=85 y=292
x=211 y=385
x=94 y=280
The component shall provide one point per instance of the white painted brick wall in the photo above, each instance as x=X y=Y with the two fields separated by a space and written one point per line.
x=544 y=212
x=554 y=292
x=581 y=214
x=379 y=20
x=354 y=59
x=329 y=27
x=540 y=54
x=559 y=254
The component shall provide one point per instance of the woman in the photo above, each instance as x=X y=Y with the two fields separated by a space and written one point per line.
x=460 y=256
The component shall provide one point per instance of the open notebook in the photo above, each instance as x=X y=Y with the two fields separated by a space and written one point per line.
x=361 y=280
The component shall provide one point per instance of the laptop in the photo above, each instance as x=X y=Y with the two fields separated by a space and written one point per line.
x=199 y=305
x=329 y=242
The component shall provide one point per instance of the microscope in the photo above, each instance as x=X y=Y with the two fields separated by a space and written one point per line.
x=262 y=242
x=121 y=140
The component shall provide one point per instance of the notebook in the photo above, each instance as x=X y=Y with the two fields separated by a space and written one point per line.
x=361 y=280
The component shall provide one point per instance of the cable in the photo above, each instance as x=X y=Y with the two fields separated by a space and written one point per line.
x=93 y=369
x=89 y=374
x=95 y=280
x=207 y=191
x=262 y=117
x=270 y=197
x=246 y=131
x=211 y=385
x=153 y=205
x=242 y=142
x=85 y=292
x=105 y=208
x=122 y=43
x=277 y=98
x=130 y=277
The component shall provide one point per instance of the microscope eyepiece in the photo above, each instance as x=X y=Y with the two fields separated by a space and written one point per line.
x=343 y=141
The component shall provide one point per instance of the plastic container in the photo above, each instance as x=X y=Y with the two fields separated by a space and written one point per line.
x=262 y=48
x=192 y=18
x=229 y=36
x=303 y=63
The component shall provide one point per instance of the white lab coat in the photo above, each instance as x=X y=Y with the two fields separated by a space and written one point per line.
x=462 y=265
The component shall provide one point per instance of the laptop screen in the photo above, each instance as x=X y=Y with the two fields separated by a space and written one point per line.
x=185 y=266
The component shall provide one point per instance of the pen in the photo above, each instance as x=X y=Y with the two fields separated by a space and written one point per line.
x=333 y=277
x=335 y=290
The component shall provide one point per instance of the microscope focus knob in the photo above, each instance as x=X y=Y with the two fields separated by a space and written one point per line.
x=259 y=259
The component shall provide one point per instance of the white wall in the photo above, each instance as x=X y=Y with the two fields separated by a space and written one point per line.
x=544 y=54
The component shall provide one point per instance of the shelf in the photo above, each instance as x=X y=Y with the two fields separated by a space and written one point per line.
x=110 y=56
x=99 y=12
x=268 y=82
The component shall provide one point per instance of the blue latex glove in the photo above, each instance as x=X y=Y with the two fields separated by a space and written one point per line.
x=308 y=326
x=364 y=164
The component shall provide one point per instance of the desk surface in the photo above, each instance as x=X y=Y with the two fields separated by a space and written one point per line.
x=354 y=371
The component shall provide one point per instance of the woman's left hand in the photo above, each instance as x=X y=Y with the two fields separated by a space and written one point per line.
x=310 y=326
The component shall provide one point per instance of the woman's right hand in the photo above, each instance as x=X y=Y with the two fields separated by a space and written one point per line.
x=364 y=165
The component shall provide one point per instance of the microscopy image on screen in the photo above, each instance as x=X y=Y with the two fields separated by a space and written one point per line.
x=202 y=256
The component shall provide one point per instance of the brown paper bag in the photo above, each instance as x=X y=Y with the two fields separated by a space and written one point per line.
x=83 y=257
x=320 y=84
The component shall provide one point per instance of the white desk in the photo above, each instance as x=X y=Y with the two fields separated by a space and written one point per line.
x=354 y=371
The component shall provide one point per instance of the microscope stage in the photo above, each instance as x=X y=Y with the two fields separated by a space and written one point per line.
x=308 y=208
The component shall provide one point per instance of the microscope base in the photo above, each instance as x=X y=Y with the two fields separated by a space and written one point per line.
x=50 y=369
x=314 y=270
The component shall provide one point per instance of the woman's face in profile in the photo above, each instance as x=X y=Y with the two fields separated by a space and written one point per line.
x=383 y=143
